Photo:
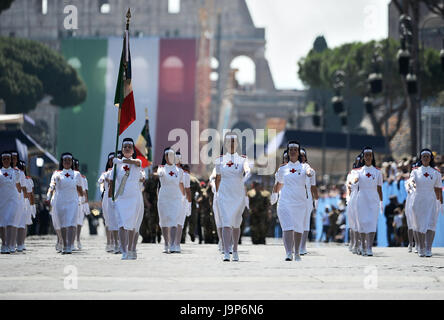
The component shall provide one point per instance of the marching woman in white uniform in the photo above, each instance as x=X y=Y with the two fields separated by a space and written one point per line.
x=128 y=197
x=368 y=200
x=186 y=211
x=170 y=198
x=312 y=193
x=291 y=179
x=232 y=170
x=20 y=214
x=29 y=209
x=212 y=181
x=83 y=204
x=425 y=208
x=66 y=184
x=9 y=201
x=352 y=191
x=111 y=225
x=140 y=214
x=410 y=189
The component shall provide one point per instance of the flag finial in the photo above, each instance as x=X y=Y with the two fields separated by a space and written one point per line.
x=146 y=113
x=128 y=15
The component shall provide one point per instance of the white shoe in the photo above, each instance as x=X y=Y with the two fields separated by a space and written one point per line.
x=220 y=246
x=12 y=249
x=355 y=250
x=5 y=249
x=289 y=257
x=422 y=252
x=409 y=248
x=178 y=249
x=166 y=250
x=79 y=245
x=124 y=256
x=20 y=248
x=67 y=250
x=132 y=255
x=369 y=252
x=428 y=253
x=416 y=249
x=235 y=256
x=303 y=252
x=226 y=257
x=109 y=248
x=297 y=257
x=116 y=250
x=363 y=252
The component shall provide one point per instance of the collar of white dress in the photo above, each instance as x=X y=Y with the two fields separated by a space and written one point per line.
x=293 y=163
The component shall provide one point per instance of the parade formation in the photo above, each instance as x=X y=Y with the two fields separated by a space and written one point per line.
x=294 y=192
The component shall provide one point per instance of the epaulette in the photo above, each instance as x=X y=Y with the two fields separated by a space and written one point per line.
x=243 y=156
x=437 y=170
x=59 y=170
x=161 y=166
x=28 y=177
x=82 y=176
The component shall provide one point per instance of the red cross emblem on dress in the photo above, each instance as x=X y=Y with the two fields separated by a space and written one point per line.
x=171 y=173
x=368 y=175
x=126 y=168
x=292 y=170
x=67 y=175
x=230 y=163
x=426 y=174
x=5 y=174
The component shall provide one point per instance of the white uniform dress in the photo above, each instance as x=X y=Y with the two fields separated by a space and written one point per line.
x=108 y=209
x=170 y=199
x=66 y=199
x=127 y=204
x=20 y=215
x=27 y=209
x=367 y=199
x=81 y=211
x=231 y=193
x=351 y=201
x=310 y=181
x=215 y=205
x=142 y=207
x=55 y=221
x=408 y=203
x=9 y=200
x=183 y=213
x=424 y=204
x=293 y=200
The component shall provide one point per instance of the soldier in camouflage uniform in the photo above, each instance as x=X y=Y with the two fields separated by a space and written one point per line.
x=192 y=221
x=206 y=214
x=260 y=214
x=150 y=230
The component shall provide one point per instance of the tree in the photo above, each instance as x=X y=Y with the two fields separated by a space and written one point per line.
x=317 y=68
x=5 y=5
x=30 y=70
x=412 y=9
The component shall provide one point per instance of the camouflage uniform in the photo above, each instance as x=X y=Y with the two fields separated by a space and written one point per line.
x=150 y=229
x=206 y=215
x=193 y=220
x=260 y=214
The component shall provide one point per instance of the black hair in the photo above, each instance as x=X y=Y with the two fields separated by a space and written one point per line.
x=61 y=160
x=358 y=159
x=223 y=142
x=107 y=161
x=18 y=157
x=75 y=164
x=22 y=166
x=373 y=156
x=432 y=158
x=134 y=156
x=119 y=154
x=164 y=162
x=186 y=168
x=299 y=149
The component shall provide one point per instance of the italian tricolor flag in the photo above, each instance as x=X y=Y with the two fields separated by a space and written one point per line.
x=124 y=98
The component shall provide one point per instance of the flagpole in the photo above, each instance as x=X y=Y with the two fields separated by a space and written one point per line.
x=128 y=17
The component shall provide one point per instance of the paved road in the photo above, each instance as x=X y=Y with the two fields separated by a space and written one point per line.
x=328 y=272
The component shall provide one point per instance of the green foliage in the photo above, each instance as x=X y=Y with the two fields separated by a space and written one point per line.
x=30 y=70
x=317 y=68
x=5 y=4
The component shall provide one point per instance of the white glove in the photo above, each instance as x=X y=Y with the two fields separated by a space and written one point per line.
x=117 y=161
x=309 y=172
x=86 y=208
x=381 y=208
x=247 y=202
x=33 y=210
x=315 y=204
x=273 y=198
x=188 y=209
x=216 y=195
